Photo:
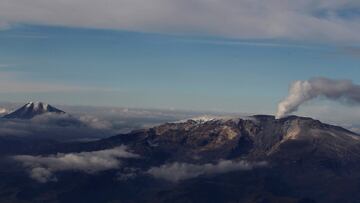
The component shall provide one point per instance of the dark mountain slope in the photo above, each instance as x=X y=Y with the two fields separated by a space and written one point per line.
x=308 y=161
x=31 y=110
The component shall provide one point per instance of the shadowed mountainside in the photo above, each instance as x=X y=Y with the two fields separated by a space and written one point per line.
x=307 y=161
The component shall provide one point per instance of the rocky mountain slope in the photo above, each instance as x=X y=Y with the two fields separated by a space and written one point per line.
x=257 y=137
x=253 y=159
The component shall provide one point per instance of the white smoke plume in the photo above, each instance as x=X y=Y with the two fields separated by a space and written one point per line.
x=303 y=91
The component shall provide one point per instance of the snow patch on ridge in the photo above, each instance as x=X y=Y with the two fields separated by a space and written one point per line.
x=210 y=118
x=37 y=106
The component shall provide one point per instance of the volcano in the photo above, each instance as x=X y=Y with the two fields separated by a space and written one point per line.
x=32 y=109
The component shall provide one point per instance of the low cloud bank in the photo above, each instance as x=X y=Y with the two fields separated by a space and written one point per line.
x=180 y=171
x=3 y=111
x=62 y=127
x=87 y=123
x=124 y=120
x=42 y=168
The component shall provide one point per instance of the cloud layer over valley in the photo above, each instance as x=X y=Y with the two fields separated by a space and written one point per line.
x=42 y=167
x=83 y=123
x=180 y=171
x=53 y=126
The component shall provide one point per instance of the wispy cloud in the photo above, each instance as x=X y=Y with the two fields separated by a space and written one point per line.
x=3 y=110
x=180 y=171
x=58 y=127
x=25 y=36
x=248 y=43
x=272 y=19
x=42 y=168
x=15 y=82
x=353 y=51
x=5 y=65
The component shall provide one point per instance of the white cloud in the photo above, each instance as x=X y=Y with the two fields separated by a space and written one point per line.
x=43 y=167
x=15 y=82
x=3 y=110
x=42 y=175
x=307 y=19
x=95 y=122
x=58 y=126
x=87 y=122
x=180 y=171
x=4 y=65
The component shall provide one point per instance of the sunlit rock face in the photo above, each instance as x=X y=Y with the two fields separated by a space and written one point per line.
x=258 y=137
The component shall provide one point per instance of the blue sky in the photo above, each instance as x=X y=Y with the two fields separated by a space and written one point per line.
x=120 y=68
x=174 y=64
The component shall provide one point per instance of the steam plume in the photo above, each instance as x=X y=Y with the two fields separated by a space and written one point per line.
x=302 y=91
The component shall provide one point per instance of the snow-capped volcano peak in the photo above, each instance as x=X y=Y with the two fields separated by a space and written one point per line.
x=33 y=109
x=37 y=106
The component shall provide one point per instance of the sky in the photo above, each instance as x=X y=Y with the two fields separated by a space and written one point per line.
x=203 y=55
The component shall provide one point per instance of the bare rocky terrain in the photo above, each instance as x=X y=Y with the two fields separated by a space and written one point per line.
x=253 y=159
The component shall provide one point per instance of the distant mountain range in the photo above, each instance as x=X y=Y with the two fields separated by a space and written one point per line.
x=32 y=109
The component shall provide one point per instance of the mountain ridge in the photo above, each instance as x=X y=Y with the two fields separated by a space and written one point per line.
x=304 y=159
x=261 y=138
